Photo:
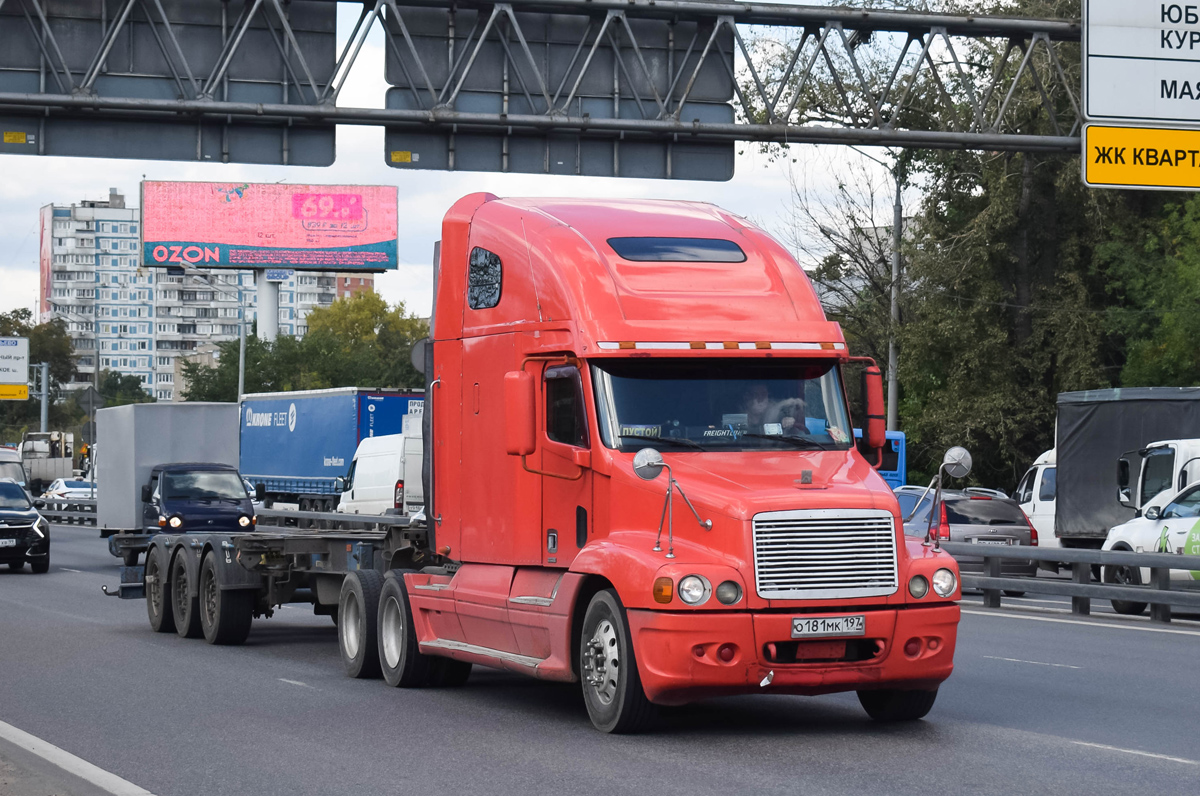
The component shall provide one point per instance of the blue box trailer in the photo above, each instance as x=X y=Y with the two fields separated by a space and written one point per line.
x=296 y=444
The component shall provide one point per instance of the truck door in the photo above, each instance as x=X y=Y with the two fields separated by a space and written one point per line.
x=566 y=466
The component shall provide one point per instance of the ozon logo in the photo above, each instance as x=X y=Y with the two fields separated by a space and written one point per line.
x=292 y=417
x=186 y=254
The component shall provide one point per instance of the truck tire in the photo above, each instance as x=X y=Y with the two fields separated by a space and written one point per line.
x=129 y=557
x=897 y=705
x=225 y=616
x=401 y=661
x=1125 y=576
x=612 y=688
x=184 y=608
x=158 y=609
x=42 y=565
x=358 y=609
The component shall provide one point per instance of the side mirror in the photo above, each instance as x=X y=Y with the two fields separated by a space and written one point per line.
x=519 y=413
x=339 y=484
x=875 y=433
x=1124 y=495
x=260 y=492
x=1153 y=513
x=957 y=462
x=146 y=493
x=39 y=503
x=420 y=353
x=648 y=464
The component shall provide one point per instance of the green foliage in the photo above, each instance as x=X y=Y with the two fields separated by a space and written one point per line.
x=118 y=390
x=48 y=342
x=354 y=342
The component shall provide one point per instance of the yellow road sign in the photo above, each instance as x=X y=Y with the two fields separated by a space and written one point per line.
x=1141 y=157
x=14 y=392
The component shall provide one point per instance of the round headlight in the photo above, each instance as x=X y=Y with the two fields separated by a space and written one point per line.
x=944 y=583
x=693 y=590
x=244 y=521
x=175 y=522
x=729 y=592
x=918 y=587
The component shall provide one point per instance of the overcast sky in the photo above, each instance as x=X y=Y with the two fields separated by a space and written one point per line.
x=759 y=191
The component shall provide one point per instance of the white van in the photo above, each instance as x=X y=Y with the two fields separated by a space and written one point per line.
x=1038 y=496
x=385 y=476
x=11 y=467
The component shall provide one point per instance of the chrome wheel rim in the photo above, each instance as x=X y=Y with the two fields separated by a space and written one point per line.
x=350 y=616
x=392 y=635
x=602 y=662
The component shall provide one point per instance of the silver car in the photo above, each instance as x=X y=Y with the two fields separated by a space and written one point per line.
x=975 y=518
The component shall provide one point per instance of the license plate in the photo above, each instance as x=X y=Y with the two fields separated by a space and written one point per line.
x=8 y=542
x=824 y=626
x=993 y=541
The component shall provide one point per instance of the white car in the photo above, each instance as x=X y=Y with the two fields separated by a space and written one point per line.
x=1169 y=524
x=70 y=488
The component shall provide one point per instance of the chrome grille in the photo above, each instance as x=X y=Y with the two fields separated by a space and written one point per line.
x=824 y=554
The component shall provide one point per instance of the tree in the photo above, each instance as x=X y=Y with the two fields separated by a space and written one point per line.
x=48 y=342
x=118 y=389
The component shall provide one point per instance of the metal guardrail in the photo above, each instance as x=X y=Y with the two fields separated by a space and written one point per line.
x=69 y=511
x=1161 y=593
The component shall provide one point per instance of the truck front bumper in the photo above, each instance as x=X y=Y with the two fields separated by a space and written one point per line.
x=680 y=657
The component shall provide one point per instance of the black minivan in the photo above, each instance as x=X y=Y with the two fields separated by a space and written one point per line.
x=196 y=497
x=24 y=534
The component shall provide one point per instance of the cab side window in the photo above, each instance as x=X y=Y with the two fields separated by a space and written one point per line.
x=154 y=486
x=484 y=278
x=1046 y=491
x=1160 y=467
x=565 y=418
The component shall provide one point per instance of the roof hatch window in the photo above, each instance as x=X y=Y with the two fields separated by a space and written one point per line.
x=678 y=250
x=483 y=279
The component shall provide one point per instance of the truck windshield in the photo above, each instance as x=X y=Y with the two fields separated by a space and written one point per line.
x=721 y=404
x=204 y=485
x=13 y=496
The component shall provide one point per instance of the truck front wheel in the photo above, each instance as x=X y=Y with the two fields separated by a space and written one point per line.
x=612 y=688
x=358 y=608
x=185 y=607
x=225 y=616
x=1125 y=576
x=897 y=705
x=162 y=618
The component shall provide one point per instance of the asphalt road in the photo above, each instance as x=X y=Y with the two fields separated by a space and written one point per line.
x=1039 y=703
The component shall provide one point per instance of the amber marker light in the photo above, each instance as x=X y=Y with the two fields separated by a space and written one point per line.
x=663 y=590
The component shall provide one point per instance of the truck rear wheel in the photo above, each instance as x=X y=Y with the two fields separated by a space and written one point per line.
x=401 y=660
x=225 y=616
x=162 y=618
x=612 y=688
x=358 y=609
x=185 y=608
x=897 y=705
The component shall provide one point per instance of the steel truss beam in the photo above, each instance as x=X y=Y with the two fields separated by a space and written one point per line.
x=800 y=74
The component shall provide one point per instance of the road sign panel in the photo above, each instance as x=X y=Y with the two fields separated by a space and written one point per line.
x=1140 y=157
x=14 y=392
x=89 y=400
x=1140 y=61
x=14 y=361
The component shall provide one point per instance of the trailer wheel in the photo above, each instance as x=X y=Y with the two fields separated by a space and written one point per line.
x=162 y=618
x=358 y=607
x=612 y=688
x=402 y=662
x=896 y=705
x=184 y=607
x=225 y=616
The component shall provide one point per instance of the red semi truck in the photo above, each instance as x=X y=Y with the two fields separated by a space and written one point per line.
x=643 y=478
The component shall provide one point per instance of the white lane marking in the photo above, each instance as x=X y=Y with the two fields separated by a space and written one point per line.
x=294 y=682
x=1035 y=663
x=1138 y=752
x=1005 y=615
x=65 y=569
x=70 y=763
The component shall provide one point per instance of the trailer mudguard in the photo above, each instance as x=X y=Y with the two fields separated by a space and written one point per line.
x=230 y=573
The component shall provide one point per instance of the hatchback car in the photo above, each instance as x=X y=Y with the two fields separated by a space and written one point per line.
x=981 y=519
x=24 y=534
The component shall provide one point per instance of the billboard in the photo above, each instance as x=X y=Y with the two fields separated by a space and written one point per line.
x=249 y=225
x=14 y=368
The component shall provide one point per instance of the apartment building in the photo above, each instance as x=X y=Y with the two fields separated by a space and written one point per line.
x=138 y=320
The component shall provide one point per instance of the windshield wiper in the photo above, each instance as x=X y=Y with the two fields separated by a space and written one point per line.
x=684 y=441
x=798 y=442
